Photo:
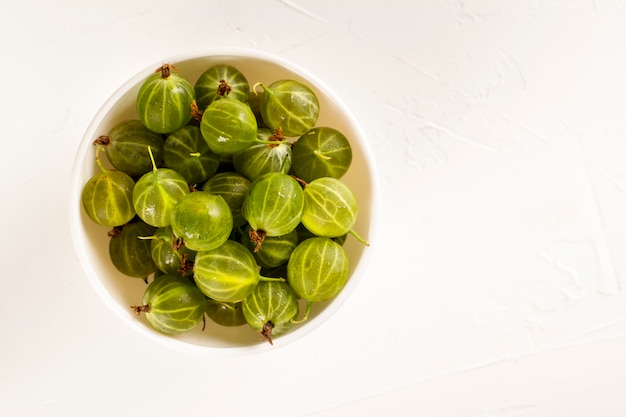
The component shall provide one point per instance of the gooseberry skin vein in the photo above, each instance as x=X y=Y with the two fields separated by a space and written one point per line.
x=164 y=100
x=323 y=210
x=111 y=206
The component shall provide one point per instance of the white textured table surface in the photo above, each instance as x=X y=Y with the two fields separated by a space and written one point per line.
x=497 y=290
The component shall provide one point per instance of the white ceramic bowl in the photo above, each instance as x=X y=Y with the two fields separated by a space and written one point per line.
x=91 y=241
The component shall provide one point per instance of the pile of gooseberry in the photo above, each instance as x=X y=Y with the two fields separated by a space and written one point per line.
x=227 y=200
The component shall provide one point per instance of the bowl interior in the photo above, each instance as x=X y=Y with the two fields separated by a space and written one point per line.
x=91 y=241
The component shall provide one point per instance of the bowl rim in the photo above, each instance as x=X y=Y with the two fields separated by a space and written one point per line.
x=76 y=187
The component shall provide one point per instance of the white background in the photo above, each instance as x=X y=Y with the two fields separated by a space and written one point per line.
x=497 y=289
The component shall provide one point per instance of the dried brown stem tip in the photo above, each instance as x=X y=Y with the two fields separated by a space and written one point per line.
x=196 y=113
x=278 y=134
x=224 y=89
x=185 y=264
x=141 y=309
x=300 y=181
x=266 y=332
x=115 y=232
x=166 y=69
x=102 y=140
x=178 y=243
x=257 y=237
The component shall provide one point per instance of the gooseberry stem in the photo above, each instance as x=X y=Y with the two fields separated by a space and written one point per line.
x=359 y=238
x=154 y=167
x=227 y=305
x=300 y=181
x=309 y=303
x=266 y=142
x=283 y=166
x=320 y=155
x=98 y=161
x=262 y=278
x=275 y=139
x=262 y=86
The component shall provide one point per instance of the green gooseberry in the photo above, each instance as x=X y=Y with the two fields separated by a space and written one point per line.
x=169 y=256
x=317 y=270
x=261 y=158
x=289 y=105
x=172 y=305
x=129 y=250
x=107 y=197
x=232 y=187
x=164 y=100
x=227 y=273
x=228 y=126
x=225 y=313
x=186 y=152
x=271 y=309
x=157 y=193
x=203 y=221
x=127 y=145
x=330 y=208
x=273 y=205
x=321 y=152
x=218 y=81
